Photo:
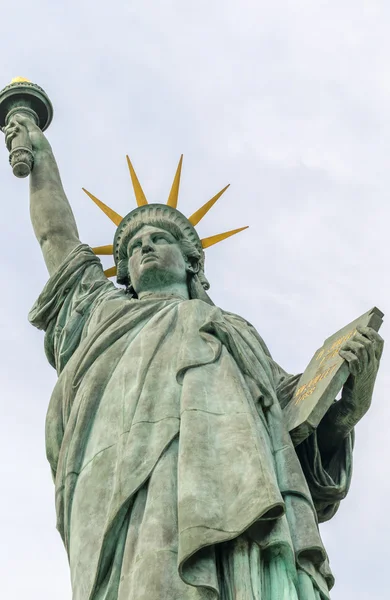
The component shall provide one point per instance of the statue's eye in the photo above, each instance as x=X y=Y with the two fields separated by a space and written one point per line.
x=160 y=238
x=135 y=247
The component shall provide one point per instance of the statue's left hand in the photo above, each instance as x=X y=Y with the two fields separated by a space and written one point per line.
x=362 y=353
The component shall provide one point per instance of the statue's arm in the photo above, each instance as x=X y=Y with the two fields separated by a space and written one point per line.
x=51 y=215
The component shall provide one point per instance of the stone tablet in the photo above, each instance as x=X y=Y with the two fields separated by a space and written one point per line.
x=323 y=379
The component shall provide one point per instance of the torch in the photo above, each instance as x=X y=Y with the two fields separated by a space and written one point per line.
x=25 y=98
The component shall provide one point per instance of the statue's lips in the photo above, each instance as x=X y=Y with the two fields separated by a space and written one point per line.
x=149 y=258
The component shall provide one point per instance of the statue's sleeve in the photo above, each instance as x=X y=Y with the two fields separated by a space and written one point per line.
x=328 y=476
x=67 y=301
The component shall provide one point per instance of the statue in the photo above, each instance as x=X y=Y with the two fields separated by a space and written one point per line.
x=174 y=471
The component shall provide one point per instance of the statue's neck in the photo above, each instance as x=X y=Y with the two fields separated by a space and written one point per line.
x=170 y=291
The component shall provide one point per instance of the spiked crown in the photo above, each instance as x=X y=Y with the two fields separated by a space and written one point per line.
x=146 y=213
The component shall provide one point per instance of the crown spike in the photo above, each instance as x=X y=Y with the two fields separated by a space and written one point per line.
x=111 y=272
x=174 y=193
x=215 y=239
x=111 y=214
x=200 y=213
x=104 y=250
x=138 y=191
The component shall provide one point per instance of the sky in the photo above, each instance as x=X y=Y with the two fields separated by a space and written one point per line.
x=286 y=101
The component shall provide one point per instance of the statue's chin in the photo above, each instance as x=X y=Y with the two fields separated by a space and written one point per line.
x=154 y=277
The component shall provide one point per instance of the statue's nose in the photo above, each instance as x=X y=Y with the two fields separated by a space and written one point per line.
x=147 y=247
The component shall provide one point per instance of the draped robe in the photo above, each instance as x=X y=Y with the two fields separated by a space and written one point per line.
x=175 y=476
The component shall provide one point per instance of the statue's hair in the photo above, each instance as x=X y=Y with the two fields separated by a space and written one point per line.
x=190 y=251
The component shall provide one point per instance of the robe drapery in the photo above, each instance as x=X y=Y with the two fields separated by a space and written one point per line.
x=175 y=476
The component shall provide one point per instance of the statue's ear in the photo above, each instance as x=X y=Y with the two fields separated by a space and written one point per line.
x=192 y=266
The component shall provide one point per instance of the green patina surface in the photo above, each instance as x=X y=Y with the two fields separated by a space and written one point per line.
x=323 y=379
x=175 y=473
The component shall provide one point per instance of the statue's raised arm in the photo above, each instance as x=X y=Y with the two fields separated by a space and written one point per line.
x=51 y=215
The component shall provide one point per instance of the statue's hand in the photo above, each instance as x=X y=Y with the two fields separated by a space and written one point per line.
x=362 y=353
x=23 y=126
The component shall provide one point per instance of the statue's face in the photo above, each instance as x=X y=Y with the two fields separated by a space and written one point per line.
x=155 y=260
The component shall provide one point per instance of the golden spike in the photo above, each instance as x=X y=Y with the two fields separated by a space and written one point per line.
x=200 y=213
x=138 y=191
x=104 y=250
x=111 y=214
x=215 y=239
x=111 y=272
x=174 y=193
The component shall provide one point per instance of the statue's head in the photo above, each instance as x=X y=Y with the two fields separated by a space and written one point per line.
x=176 y=253
x=156 y=245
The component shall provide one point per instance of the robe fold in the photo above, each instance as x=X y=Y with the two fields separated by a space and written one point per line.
x=175 y=476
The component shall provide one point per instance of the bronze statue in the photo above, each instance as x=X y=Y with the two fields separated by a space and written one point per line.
x=175 y=473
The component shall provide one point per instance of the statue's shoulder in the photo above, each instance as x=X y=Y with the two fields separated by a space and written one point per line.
x=232 y=317
x=239 y=321
x=245 y=326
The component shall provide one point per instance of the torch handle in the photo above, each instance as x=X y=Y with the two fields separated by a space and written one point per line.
x=21 y=155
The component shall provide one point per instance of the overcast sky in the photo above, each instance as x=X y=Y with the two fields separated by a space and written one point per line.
x=288 y=102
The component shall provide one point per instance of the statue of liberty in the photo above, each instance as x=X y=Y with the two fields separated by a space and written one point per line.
x=175 y=474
